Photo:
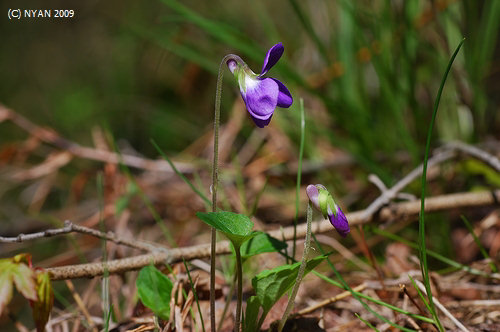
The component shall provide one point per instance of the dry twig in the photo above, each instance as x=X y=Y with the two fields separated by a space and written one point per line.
x=69 y=227
x=447 y=152
x=394 y=211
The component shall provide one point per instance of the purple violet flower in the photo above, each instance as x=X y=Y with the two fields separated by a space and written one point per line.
x=324 y=202
x=261 y=94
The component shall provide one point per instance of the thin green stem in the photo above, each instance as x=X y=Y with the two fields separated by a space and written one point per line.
x=239 y=273
x=215 y=179
x=299 y=173
x=228 y=299
x=307 y=242
x=421 y=228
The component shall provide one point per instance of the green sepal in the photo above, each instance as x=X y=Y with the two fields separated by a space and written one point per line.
x=324 y=198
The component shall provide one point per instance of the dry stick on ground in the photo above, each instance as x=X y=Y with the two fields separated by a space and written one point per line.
x=392 y=212
x=391 y=193
x=69 y=227
x=447 y=152
x=51 y=137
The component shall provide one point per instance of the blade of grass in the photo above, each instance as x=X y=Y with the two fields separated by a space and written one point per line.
x=481 y=248
x=182 y=176
x=421 y=229
x=367 y=323
x=195 y=294
x=308 y=27
x=223 y=32
x=422 y=297
x=299 y=173
x=183 y=50
x=199 y=184
x=375 y=301
x=107 y=318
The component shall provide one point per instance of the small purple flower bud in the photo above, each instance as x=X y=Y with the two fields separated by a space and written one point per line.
x=262 y=94
x=324 y=202
x=313 y=194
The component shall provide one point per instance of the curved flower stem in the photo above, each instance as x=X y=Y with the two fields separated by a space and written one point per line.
x=239 y=273
x=215 y=179
x=307 y=241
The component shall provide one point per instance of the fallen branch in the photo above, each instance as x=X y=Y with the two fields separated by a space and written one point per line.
x=69 y=227
x=389 y=213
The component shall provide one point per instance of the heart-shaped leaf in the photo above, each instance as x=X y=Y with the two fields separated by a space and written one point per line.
x=155 y=290
x=261 y=243
x=237 y=227
x=271 y=285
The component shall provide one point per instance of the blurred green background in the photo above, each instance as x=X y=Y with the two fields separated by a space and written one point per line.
x=148 y=69
x=368 y=71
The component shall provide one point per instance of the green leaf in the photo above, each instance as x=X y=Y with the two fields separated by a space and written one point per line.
x=24 y=278
x=15 y=271
x=237 y=227
x=270 y=285
x=42 y=307
x=261 y=243
x=251 y=314
x=5 y=283
x=155 y=291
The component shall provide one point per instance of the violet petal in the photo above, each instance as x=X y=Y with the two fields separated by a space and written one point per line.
x=261 y=123
x=272 y=56
x=340 y=223
x=284 y=97
x=261 y=98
